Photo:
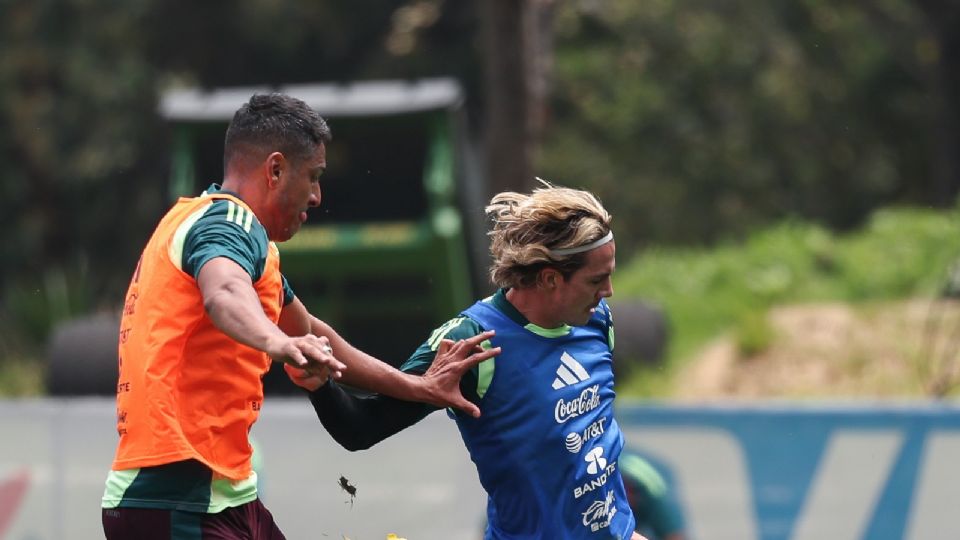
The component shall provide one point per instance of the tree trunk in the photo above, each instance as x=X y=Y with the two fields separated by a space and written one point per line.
x=516 y=36
x=944 y=18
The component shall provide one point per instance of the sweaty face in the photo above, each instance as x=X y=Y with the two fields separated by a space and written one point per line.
x=578 y=296
x=297 y=191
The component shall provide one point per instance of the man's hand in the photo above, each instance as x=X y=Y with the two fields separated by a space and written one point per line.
x=638 y=536
x=442 y=381
x=304 y=379
x=310 y=354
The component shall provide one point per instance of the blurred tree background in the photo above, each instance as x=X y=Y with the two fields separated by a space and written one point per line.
x=703 y=119
x=695 y=121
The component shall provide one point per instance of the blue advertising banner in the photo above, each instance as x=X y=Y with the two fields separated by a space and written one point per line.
x=798 y=472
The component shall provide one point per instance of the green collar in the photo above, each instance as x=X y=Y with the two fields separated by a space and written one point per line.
x=499 y=301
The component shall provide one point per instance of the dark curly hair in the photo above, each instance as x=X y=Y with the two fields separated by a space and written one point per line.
x=274 y=122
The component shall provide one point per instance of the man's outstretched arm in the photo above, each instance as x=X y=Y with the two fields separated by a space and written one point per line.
x=232 y=304
x=359 y=422
x=438 y=386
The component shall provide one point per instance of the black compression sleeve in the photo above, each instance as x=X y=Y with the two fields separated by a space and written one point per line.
x=359 y=422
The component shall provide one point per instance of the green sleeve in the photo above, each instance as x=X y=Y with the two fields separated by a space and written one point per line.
x=215 y=235
x=288 y=295
x=359 y=422
x=611 y=335
x=454 y=329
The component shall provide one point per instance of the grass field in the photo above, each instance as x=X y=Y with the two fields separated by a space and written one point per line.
x=731 y=289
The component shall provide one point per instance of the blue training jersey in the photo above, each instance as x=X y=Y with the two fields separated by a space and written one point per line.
x=547 y=444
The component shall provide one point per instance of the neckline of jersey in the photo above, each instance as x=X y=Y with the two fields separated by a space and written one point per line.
x=500 y=302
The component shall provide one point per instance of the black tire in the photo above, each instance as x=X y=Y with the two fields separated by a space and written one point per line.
x=82 y=357
x=642 y=335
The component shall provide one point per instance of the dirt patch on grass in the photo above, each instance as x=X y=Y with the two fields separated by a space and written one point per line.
x=834 y=350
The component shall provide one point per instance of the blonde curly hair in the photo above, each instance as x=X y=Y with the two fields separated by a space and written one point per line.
x=528 y=229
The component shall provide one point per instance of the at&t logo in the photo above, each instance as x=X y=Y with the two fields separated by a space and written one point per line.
x=575 y=440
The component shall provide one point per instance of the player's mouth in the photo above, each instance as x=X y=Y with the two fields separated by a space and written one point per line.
x=303 y=217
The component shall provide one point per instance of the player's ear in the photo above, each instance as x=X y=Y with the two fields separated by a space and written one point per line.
x=274 y=167
x=548 y=278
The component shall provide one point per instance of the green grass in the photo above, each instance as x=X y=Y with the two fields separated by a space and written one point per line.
x=31 y=306
x=899 y=253
x=21 y=376
x=21 y=370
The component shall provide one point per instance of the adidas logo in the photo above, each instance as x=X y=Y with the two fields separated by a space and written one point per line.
x=569 y=372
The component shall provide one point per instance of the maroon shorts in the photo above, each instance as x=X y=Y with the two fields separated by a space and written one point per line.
x=251 y=521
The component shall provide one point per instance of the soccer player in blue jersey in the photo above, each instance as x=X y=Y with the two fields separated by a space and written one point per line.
x=546 y=445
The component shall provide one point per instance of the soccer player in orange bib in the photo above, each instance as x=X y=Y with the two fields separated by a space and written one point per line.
x=206 y=313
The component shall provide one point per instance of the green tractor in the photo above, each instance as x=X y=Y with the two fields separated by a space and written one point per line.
x=397 y=245
x=387 y=256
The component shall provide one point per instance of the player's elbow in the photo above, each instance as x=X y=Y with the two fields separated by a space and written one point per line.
x=210 y=306
x=355 y=437
x=356 y=447
x=356 y=444
x=214 y=303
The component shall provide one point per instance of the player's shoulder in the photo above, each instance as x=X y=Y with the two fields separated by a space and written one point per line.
x=220 y=227
x=603 y=309
x=224 y=217
x=454 y=329
x=602 y=317
x=457 y=328
x=228 y=212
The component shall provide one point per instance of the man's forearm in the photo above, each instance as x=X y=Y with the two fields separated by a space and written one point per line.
x=357 y=423
x=365 y=371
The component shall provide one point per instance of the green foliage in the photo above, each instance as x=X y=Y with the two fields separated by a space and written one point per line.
x=705 y=292
x=77 y=99
x=21 y=374
x=87 y=152
x=753 y=334
x=258 y=42
x=698 y=121
x=35 y=304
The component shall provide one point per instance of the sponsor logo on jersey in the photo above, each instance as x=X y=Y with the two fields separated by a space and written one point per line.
x=600 y=467
x=569 y=372
x=596 y=461
x=587 y=401
x=575 y=440
x=599 y=513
